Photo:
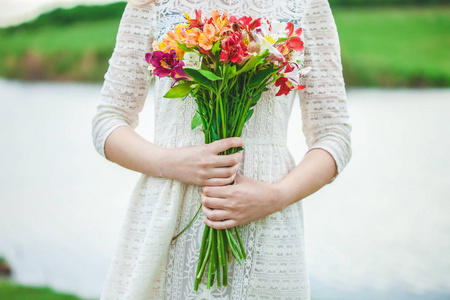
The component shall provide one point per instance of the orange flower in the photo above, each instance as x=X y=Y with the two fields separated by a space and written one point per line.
x=207 y=37
x=220 y=22
x=172 y=40
x=191 y=37
x=204 y=39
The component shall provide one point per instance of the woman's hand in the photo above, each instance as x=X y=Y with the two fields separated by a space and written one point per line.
x=201 y=165
x=245 y=201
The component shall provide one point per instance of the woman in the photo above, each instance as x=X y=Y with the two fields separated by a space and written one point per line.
x=178 y=171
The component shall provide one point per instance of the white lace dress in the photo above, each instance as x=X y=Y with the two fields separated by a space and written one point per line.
x=145 y=264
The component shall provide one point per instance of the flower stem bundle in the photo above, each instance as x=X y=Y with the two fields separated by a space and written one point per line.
x=226 y=64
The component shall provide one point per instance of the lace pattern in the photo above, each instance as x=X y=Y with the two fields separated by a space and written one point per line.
x=145 y=265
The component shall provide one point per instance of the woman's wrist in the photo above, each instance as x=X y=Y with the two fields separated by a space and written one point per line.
x=281 y=196
x=166 y=163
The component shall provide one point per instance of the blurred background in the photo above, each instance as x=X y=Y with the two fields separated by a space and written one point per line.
x=380 y=231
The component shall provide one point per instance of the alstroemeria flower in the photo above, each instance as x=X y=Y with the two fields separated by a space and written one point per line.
x=294 y=75
x=197 y=22
x=172 y=39
x=272 y=31
x=220 y=22
x=179 y=74
x=291 y=79
x=246 y=23
x=264 y=45
x=285 y=86
x=162 y=62
x=294 y=41
x=233 y=48
x=207 y=38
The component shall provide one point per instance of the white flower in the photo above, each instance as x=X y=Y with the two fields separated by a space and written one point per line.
x=304 y=71
x=272 y=35
x=297 y=57
x=265 y=44
x=192 y=60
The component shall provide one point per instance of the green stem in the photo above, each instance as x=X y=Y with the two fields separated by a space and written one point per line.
x=202 y=254
x=231 y=245
x=185 y=228
x=240 y=242
x=208 y=252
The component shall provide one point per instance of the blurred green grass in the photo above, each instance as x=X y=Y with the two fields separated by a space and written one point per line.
x=395 y=46
x=387 y=47
x=13 y=291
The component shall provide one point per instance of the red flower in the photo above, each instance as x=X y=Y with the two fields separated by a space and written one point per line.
x=294 y=41
x=246 y=23
x=233 y=48
x=283 y=83
x=197 y=22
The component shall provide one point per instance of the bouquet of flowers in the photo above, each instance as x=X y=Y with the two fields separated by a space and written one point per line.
x=225 y=64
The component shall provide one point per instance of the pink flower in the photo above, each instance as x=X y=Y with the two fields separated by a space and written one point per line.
x=165 y=64
x=233 y=48
x=162 y=62
x=179 y=74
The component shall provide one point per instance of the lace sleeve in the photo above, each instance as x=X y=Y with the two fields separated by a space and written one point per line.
x=127 y=80
x=324 y=101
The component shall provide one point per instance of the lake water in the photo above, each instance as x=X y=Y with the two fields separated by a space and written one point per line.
x=379 y=231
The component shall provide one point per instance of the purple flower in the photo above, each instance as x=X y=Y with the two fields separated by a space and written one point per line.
x=179 y=74
x=165 y=64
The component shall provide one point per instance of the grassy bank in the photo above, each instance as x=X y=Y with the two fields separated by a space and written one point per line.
x=380 y=47
x=13 y=291
x=395 y=47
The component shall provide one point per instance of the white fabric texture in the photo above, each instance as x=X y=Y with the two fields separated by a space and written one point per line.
x=145 y=264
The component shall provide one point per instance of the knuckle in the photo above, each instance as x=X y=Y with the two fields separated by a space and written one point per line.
x=238 y=140
x=234 y=204
x=219 y=226
x=204 y=210
x=229 y=172
x=205 y=190
x=204 y=162
x=204 y=182
x=214 y=216
x=234 y=160
x=240 y=155
x=204 y=147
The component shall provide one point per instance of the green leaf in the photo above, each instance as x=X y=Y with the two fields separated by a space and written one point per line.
x=215 y=48
x=185 y=48
x=214 y=135
x=264 y=54
x=210 y=75
x=199 y=77
x=196 y=120
x=255 y=99
x=249 y=115
x=260 y=76
x=280 y=40
x=248 y=66
x=181 y=90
